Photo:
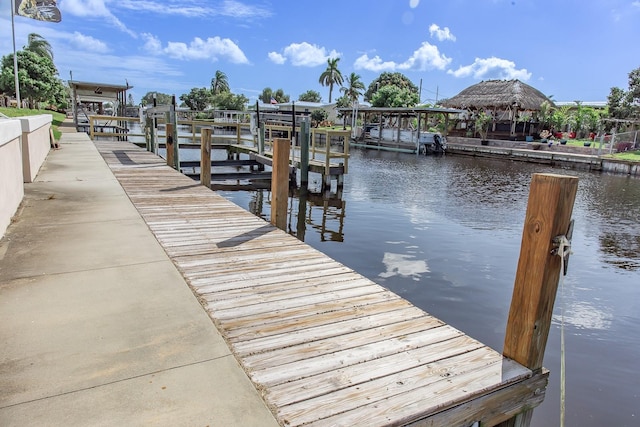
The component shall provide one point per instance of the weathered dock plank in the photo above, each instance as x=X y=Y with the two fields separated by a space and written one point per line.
x=325 y=345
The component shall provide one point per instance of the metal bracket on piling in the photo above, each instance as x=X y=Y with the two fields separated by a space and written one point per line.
x=562 y=247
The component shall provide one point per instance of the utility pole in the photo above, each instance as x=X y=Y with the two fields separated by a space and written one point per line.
x=15 y=56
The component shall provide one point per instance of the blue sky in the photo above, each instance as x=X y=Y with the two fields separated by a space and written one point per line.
x=571 y=49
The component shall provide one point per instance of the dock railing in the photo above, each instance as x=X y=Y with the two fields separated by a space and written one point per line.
x=112 y=126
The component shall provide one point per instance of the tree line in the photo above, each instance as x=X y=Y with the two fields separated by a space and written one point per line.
x=387 y=90
x=40 y=83
x=37 y=75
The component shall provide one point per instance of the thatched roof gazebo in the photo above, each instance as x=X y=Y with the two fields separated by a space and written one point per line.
x=504 y=98
x=501 y=94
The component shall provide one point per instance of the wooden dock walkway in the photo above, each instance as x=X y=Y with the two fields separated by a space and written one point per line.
x=324 y=345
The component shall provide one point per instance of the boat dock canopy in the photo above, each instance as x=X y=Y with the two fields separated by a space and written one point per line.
x=95 y=94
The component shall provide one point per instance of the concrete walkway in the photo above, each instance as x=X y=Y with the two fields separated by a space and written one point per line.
x=97 y=327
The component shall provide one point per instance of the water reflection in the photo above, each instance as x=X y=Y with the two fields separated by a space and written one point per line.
x=584 y=315
x=614 y=209
x=403 y=265
x=621 y=249
x=323 y=213
x=445 y=233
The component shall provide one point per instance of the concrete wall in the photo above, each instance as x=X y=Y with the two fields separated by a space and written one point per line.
x=11 y=178
x=35 y=144
x=622 y=167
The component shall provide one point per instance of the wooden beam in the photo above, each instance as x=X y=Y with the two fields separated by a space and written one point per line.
x=304 y=152
x=205 y=157
x=169 y=144
x=548 y=216
x=493 y=408
x=280 y=182
x=549 y=209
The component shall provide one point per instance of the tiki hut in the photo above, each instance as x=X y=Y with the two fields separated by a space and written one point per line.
x=510 y=102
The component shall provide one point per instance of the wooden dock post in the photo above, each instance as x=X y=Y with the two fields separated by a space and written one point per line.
x=169 y=145
x=280 y=183
x=154 y=134
x=148 y=133
x=176 y=140
x=326 y=184
x=548 y=216
x=304 y=153
x=205 y=157
x=261 y=139
x=91 y=128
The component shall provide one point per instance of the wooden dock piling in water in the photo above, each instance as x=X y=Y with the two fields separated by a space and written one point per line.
x=548 y=218
x=280 y=183
x=205 y=157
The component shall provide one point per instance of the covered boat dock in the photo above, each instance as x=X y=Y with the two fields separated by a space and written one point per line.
x=89 y=98
x=396 y=127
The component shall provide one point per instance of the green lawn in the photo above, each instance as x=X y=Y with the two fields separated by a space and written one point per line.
x=21 y=112
x=580 y=142
x=632 y=156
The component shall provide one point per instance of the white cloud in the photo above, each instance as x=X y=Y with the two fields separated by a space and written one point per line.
x=88 y=43
x=636 y=4
x=238 y=9
x=426 y=57
x=152 y=44
x=491 y=68
x=303 y=55
x=213 y=48
x=373 y=64
x=197 y=8
x=94 y=9
x=276 y=58
x=85 y=8
x=441 y=34
x=414 y=3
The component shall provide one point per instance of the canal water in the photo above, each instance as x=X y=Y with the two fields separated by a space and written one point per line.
x=445 y=232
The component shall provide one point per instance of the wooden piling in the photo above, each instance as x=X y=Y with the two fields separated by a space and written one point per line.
x=147 y=134
x=280 y=182
x=205 y=157
x=549 y=209
x=154 y=132
x=174 y=121
x=304 y=152
x=169 y=144
x=261 y=139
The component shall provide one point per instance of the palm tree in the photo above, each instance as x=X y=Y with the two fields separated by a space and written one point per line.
x=38 y=45
x=331 y=75
x=219 y=83
x=353 y=88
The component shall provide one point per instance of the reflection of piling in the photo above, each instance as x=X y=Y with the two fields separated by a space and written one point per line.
x=548 y=216
x=205 y=157
x=280 y=183
x=301 y=226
